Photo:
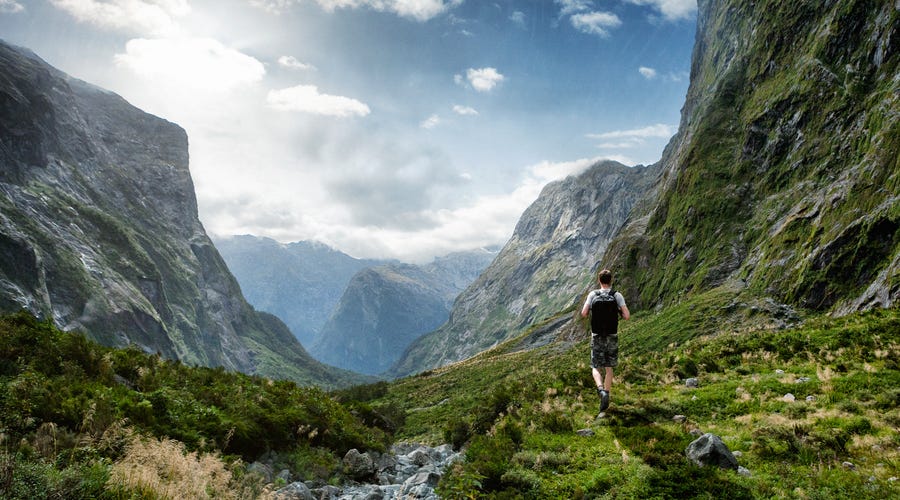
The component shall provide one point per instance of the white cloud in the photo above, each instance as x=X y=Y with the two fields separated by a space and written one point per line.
x=464 y=110
x=419 y=10
x=658 y=130
x=195 y=63
x=145 y=17
x=518 y=18
x=596 y=23
x=484 y=79
x=567 y=7
x=671 y=10
x=648 y=73
x=307 y=99
x=430 y=122
x=459 y=79
x=10 y=7
x=292 y=63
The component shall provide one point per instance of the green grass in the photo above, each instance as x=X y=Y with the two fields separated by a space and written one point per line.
x=518 y=411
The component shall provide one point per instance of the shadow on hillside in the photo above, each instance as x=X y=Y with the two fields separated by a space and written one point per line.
x=638 y=433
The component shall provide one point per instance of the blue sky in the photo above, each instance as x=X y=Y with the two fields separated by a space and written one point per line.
x=385 y=128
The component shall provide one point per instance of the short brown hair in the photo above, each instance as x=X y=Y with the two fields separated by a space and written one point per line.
x=605 y=277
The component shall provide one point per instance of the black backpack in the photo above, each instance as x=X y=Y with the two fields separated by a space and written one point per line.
x=605 y=313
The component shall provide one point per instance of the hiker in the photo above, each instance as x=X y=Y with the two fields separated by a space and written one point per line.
x=604 y=305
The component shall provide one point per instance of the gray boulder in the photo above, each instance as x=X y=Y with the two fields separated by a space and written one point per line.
x=709 y=449
x=421 y=485
x=294 y=491
x=358 y=465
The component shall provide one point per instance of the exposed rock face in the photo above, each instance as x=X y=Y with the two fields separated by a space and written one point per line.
x=299 y=282
x=385 y=308
x=99 y=230
x=542 y=269
x=785 y=172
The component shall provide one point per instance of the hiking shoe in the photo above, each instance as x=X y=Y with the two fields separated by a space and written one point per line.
x=604 y=400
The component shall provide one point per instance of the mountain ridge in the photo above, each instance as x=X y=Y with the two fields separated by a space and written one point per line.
x=99 y=231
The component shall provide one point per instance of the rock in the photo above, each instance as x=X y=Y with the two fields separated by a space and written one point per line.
x=801 y=380
x=692 y=382
x=848 y=465
x=696 y=432
x=261 y=469
x=294 y=491
x=284 y=475
x=709 y=449
x=327 y=492
x=358 y=465
x=679 y=418
x=779 y=372
x=694 y=398
x=810 y=399
x=584 y=432
x=419 y=457
x=420 y=485
x=788 y=398
x=744 y=471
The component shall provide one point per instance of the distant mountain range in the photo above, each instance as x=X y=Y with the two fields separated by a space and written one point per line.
x=357 y=314
x=99 y=231
x=299 y=282
x=385 y=308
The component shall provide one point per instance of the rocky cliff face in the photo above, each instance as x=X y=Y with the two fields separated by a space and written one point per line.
x=299 y=282
x=542 y=269
x=99 y=230
x=385 y=308
x=784 y=178
x=782 y=182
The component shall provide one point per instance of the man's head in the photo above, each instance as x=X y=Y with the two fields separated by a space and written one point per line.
x=604 y=277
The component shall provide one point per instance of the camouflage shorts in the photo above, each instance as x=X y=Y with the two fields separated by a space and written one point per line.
x=604 y=350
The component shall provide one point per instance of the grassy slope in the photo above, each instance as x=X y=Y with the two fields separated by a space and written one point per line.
x=519 y=410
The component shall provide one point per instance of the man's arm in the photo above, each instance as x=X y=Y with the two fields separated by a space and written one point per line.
x=624 y=312
x=586 y=308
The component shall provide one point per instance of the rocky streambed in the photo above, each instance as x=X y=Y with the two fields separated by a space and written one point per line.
x=407 y=471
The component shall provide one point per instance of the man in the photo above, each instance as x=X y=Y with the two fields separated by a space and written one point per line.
x=605 y=306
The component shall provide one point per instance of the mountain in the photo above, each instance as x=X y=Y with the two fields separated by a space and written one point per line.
x=99 y=231
x=782 y=183
x=299 y=282
x=784 y=177
x=385 y=308
x=542 y=269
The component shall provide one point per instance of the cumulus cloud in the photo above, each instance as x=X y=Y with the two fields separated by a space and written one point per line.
x=464 y=110
x=430 y=122
x=648 y=73
x=658 y=130
x=595 y=23
x=10 y=7
x=144 y=17
x=193 y=63
x=518 y=18
x=484 y=79
x=568 y=7
x=419 y=10
x=292 y=63
x=307 y=99
x=671 y=10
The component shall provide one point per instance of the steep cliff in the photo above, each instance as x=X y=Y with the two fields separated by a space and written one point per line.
x=542 y=269
x=385 y=308
x=99 y=230
x=784 y=177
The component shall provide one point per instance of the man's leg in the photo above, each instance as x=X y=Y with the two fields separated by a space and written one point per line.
x=608 y=379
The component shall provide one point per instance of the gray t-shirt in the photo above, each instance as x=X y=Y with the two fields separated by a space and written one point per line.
x=620 y=300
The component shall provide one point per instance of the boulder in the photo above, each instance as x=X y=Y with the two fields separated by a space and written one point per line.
x=358 y=465
x=709 y=449
x=294 y=491
x=692 y=382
